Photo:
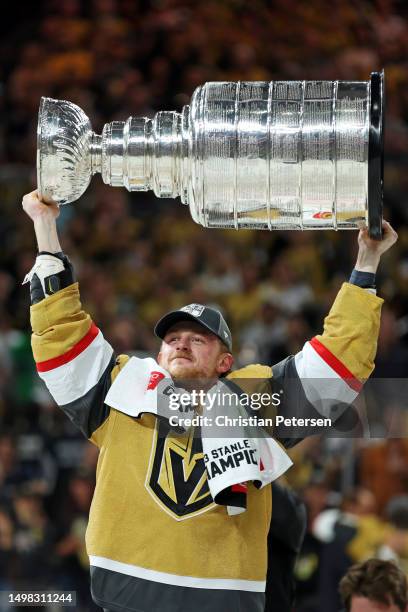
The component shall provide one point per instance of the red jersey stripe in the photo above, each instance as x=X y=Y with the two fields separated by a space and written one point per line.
x=336 y=365
x=51 y=364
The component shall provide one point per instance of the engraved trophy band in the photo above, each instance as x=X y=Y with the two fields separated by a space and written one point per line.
x=258 y=155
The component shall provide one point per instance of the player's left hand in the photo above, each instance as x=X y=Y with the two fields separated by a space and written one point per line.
x=370 y=251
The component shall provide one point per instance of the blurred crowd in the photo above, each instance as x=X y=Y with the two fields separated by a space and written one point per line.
x=136 y=257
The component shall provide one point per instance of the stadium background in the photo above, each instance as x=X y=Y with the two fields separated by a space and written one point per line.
x=137 y=256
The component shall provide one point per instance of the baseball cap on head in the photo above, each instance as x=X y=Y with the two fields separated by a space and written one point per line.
x=209 y=318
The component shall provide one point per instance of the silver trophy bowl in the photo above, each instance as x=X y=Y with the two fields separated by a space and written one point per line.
x=64 y=141
x=258 y=155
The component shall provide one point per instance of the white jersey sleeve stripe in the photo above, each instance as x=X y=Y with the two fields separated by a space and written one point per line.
x=73 y=379
x=323 y=386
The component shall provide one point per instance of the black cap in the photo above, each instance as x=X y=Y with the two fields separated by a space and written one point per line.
x=210 y=318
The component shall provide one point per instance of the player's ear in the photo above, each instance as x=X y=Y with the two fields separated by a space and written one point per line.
x=225 y=363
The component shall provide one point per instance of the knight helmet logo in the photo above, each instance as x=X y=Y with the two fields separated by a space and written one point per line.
x=177 y=476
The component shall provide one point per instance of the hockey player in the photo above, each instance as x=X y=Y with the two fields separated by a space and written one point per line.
x=156 y=539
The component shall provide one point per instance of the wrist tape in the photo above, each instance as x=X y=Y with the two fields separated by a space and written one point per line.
x=50 y=273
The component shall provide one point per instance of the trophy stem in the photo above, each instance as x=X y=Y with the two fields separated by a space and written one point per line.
x=95 y=150
x=141 y=154
x=165 y=151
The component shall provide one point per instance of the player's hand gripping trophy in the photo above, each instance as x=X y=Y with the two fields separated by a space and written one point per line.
x=259 y=155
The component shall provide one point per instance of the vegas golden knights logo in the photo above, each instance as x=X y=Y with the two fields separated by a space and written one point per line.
x=177 y=477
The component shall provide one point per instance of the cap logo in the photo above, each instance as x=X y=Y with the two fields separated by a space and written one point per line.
x=194 y=309
x=226 y=335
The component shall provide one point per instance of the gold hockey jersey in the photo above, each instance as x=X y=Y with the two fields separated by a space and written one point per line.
x=155 y=539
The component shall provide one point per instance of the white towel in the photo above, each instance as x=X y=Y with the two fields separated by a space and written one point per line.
x=233 y=455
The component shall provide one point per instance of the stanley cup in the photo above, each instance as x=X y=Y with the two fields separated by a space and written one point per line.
x=260 y=155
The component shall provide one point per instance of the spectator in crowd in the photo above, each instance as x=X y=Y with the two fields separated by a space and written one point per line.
x=285 y=541
x=8 y=555
x=374 y=586
x=34 y=540
x=384 y=469
x=356 y=533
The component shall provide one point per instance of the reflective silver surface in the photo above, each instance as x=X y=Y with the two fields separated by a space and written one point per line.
x=262 y=155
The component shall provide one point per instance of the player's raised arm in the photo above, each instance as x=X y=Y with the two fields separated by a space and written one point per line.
x=333 y=366
x=348 y=344
x=71 y=354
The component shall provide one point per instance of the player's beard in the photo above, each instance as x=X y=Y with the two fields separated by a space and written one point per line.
x=181 y=371
x=190 y=377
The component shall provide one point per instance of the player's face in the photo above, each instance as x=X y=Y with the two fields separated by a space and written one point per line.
x=363 y=604
x=188 y=351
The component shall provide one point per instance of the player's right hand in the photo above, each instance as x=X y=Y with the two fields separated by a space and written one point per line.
x=36 y=209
